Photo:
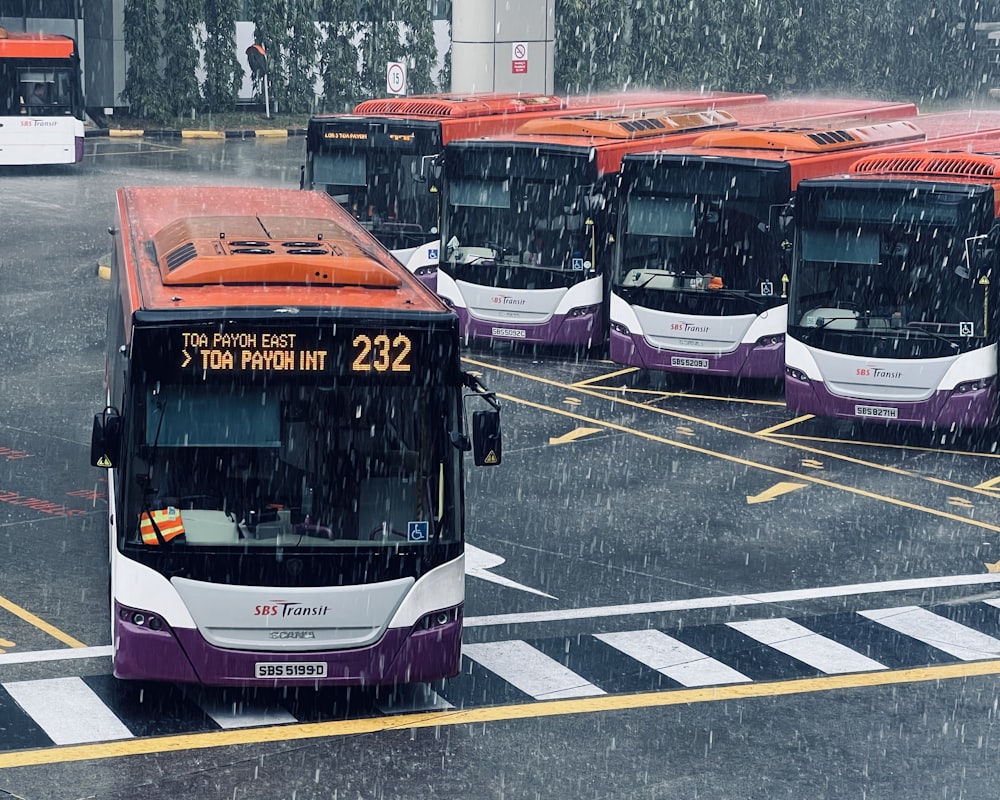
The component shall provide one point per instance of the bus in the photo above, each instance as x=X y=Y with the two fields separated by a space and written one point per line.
x=703 y=242
x=375 y=161
x=283 y=438
x=41 y=100
x=893 y=300
x=527 y=218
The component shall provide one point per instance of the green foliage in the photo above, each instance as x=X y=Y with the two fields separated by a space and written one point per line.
x=144 y=87
x=180 y=55
x=338 y=58
x=223 y=73
x=380 y=43
x=419 y=48
x=301 y=55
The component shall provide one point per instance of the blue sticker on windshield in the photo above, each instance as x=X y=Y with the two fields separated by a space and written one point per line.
x=417 y=531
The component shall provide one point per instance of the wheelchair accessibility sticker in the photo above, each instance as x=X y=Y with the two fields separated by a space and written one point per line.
x=417 y=530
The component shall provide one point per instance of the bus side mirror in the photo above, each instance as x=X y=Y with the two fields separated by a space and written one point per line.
x=487 y=442
x=106 y=439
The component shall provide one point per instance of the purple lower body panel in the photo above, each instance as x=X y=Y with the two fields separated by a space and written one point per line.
x=581 y=330
x=943 y=410
x=746 y=361
x=411 y=655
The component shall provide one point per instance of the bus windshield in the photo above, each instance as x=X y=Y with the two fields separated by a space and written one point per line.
x=508 y=223
x=871 y=262
x=682 y=226
x=46 y=91
x=278 y=457
x=374 y=169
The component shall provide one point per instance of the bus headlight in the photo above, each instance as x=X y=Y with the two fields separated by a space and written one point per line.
x=141 y=619
x=973 y=386
x=796 y=374
x=770 y=341
x=583 y=311
x=617 y=327
x=438 y=618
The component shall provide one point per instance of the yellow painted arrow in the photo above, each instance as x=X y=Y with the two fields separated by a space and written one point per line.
x=573 y=435
x=775 y=491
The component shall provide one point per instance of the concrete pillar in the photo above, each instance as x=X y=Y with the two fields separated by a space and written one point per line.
x=503 y=46
x=103 y=52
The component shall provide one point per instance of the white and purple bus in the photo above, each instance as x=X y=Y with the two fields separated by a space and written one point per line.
x=283 y=439
x=703 y=244
x=41 y=102
x=527 y=218
x=893 y=300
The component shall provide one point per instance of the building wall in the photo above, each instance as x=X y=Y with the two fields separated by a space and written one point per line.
x=484 y=36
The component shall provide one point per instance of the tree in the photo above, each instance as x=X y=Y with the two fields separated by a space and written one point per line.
x=223 y=73
x=180 y=55
x=380 y=43
x=419 y=46
x=302 y=54
x=338 y=57
x=144 y=88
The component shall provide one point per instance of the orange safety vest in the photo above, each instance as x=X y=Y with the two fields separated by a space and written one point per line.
x=168 y=520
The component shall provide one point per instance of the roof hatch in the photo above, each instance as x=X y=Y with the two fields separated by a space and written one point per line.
x=813 y=140
x=628 y=126
x=258 y=250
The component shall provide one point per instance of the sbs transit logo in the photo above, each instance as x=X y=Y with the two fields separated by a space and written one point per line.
x=289 y=608
x=506 y=300
x=878 y=373
x=687 y=327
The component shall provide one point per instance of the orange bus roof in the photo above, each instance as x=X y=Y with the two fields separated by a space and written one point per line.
x=463 y=106
x=35 y=45
x=609 y=150
x=812 y=139
x=201 y=247
x=458 y=105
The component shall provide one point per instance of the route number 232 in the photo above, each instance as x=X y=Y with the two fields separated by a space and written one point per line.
x=381 y=353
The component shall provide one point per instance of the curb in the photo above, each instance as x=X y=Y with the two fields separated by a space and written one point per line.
x=263 y=133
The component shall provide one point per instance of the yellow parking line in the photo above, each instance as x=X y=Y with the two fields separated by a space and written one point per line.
x=39 y=623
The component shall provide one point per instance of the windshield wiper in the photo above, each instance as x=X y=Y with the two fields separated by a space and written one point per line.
x=910 y=326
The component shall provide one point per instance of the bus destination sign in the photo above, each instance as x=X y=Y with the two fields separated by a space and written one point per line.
x=367 y=352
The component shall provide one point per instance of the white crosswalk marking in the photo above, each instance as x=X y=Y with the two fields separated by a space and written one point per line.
x=530 y=670
x=676 y=660
x=67 y=710
x=937 y=631
x=797 y=641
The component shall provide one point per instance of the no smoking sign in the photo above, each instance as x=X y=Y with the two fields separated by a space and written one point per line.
x=395 y=78
x=519 y=58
